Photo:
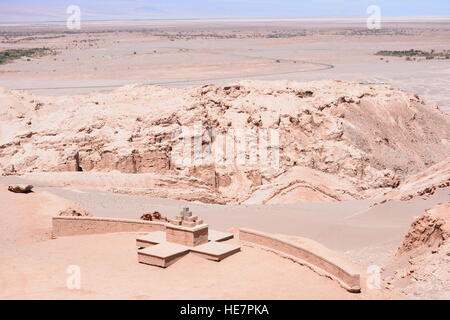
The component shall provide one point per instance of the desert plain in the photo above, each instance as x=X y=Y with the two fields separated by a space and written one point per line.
x=362 y=154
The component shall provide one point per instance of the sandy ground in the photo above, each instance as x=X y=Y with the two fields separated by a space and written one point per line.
x=35 y=267
x=96 y=60
x=109 y=270
x=367 y=235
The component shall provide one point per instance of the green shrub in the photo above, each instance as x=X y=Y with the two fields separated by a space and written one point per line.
x=14 y=54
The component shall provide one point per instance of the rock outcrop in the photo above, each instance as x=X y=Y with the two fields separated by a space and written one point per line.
x=421 y=266
x=424 y=184
x=369 y=137
x=428 y=232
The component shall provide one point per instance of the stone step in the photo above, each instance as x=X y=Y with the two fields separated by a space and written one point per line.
x=216 y=251
x=219 y=236
x=157 y=237
x=162 y=255
x=151 y=239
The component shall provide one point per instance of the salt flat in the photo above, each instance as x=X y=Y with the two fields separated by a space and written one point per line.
x=106 y=55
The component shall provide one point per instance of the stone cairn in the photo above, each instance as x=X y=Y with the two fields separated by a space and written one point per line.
x=186 y=219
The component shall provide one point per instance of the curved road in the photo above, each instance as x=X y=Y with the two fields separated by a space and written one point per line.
x=320 y=67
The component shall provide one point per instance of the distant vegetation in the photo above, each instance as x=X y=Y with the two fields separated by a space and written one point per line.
x=14 y=54
x=12 y=40
x=373 y=32
x=228 y=35
x=411 y=54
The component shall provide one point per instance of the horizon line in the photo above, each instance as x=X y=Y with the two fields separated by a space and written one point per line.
x=443 y=17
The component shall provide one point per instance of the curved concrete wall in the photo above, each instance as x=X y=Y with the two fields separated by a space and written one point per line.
x=72 y=226
x=319 y=258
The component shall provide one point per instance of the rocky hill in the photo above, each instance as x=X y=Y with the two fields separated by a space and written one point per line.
x=331 y=140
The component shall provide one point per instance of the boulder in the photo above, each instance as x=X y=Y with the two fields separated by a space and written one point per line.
x=20 y=188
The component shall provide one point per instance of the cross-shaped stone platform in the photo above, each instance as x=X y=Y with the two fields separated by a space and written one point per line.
x=186 y=233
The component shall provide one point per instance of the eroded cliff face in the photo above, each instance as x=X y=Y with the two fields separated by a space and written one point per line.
x=335 y=140
x=421 y=265
x=428 y=232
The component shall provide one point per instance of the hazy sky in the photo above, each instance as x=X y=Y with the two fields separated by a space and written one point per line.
x=43 y=10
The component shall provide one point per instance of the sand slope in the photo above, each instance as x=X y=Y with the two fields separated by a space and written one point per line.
x=36 y=267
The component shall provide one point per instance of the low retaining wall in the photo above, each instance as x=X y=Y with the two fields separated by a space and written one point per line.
x=317 y=257
x=72 y=226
